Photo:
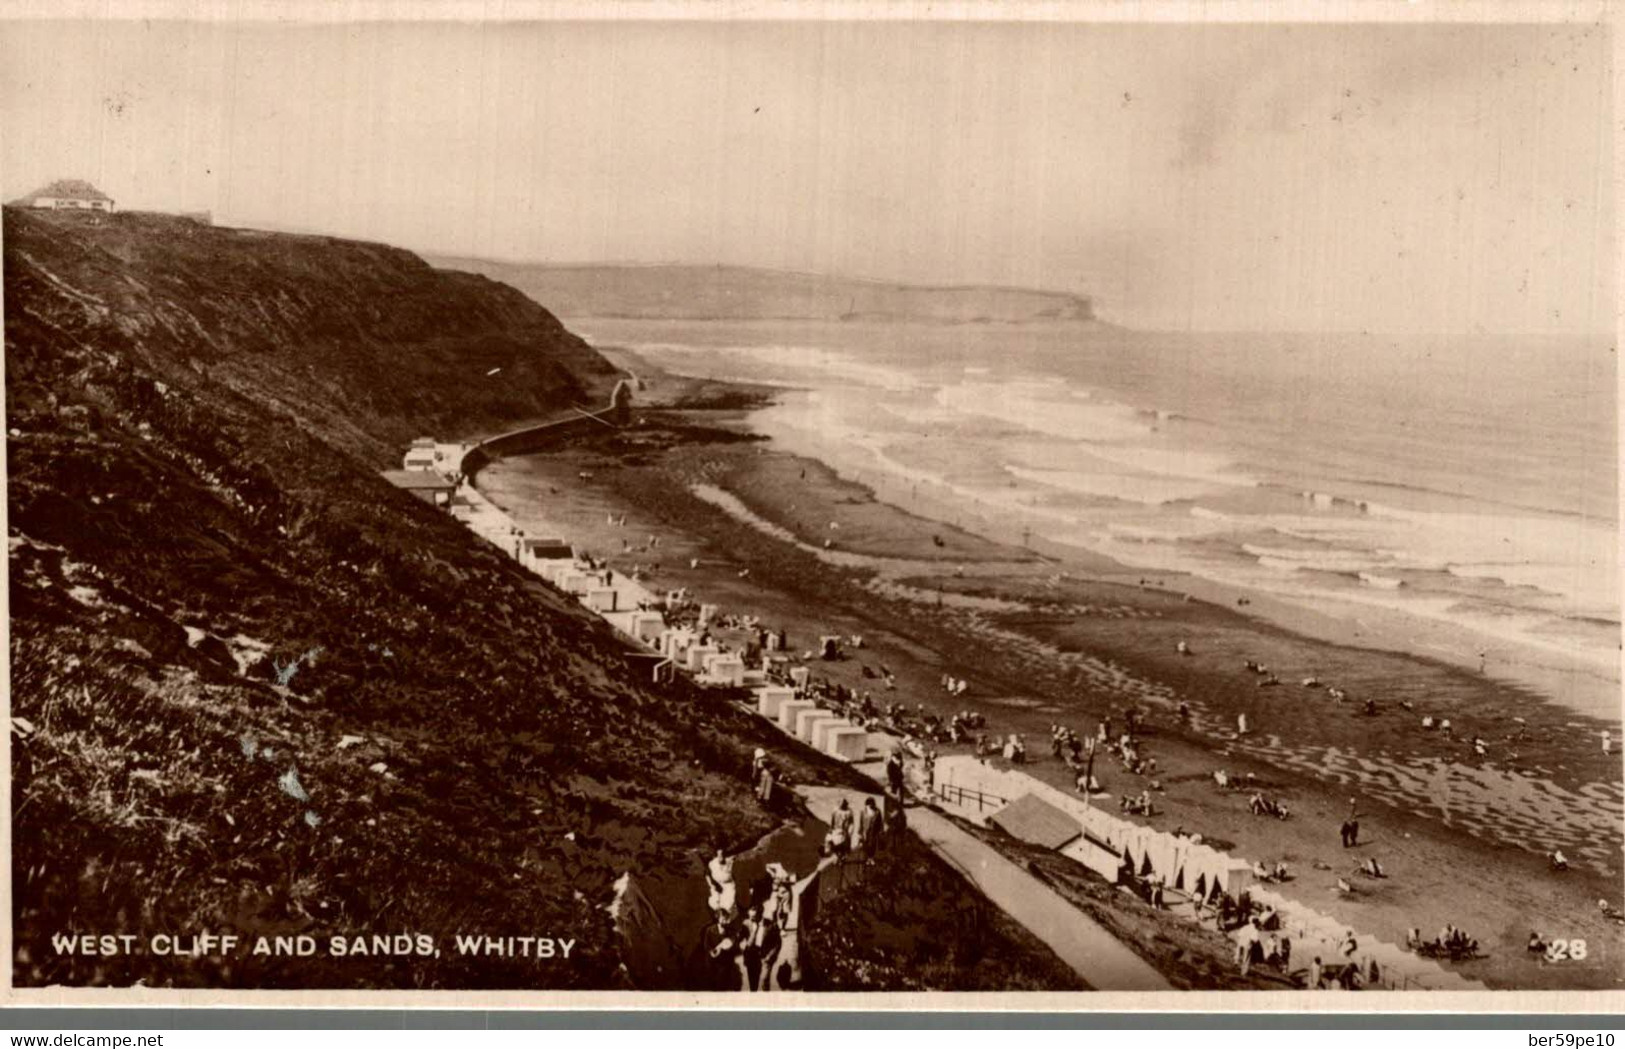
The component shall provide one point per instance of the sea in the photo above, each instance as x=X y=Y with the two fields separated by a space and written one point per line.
x=1470 y=481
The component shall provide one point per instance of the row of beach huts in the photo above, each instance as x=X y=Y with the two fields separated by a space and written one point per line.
x=640 y=614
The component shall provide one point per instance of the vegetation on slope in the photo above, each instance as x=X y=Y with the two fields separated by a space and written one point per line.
x=261 y=691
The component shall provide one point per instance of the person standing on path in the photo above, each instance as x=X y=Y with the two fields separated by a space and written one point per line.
x=869 y=829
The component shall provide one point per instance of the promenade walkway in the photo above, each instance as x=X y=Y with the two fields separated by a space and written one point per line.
x=1103 y=961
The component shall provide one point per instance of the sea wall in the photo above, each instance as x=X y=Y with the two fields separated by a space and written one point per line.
x=529 y=439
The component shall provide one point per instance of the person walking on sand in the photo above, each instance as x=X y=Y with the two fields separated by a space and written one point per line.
x=1247 y=942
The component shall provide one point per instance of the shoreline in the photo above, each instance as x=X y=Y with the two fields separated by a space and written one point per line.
x=1583 y=688
x=1584 y=677
x=654 y=485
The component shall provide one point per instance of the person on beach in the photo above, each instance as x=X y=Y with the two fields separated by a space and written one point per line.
x=1247 y=945
x=1312 y=980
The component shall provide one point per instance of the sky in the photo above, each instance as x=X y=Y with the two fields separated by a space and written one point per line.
x=1399 y=178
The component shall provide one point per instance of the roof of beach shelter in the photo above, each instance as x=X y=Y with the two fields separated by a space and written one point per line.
x=1037 y=822
x=417 y=479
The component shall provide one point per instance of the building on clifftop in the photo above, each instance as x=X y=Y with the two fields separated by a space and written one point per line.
x=68 y=194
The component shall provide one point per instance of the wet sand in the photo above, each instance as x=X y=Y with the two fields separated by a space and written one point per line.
x=1046 y=640
x=1586 y=684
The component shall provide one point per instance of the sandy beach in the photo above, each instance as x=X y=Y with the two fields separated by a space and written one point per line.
x=1044 y=638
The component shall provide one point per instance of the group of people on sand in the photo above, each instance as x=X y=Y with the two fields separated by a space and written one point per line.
x=1064 y=741
x=1341 y=976
x=1266 y=874
x=954 y=686
x=1262 y=806
x=1256 y=946
x=1014 y=749
x=962 y=723
x=1138 y=804
x=1452 y=943
x=1257 y=943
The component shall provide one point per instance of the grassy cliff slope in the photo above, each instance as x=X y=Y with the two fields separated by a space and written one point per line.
x=255 y=688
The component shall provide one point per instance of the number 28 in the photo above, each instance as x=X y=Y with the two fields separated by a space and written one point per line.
x=1566 y=950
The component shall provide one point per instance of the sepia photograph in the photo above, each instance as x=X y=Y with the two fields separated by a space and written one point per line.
x=772 y=506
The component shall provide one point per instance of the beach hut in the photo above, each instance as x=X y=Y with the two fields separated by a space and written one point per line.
x=848 y=743
x=770 y=698
x=789 y=711
x=421 y=456
x=807 y=721
x=646 y=626
x=577 y=582
x=674 y=641
x=724 y=669
x=534 y=554
x=821 y=732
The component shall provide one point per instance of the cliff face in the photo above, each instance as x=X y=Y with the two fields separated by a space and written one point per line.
x=372 y=335
x=738 y=293
x=262 y=691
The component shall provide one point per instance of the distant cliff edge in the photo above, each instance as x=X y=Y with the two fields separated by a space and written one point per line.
x=740 y=293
